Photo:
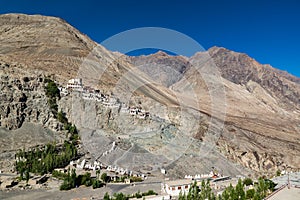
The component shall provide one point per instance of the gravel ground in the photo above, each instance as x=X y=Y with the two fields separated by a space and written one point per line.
x=81 y=192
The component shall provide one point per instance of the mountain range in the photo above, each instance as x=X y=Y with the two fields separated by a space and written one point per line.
x=219 y=107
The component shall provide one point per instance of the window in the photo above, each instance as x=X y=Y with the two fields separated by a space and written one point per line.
x=179 y=187
x=186 y=187
x=173 y=188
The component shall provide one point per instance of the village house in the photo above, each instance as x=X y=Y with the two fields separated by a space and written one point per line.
x=75 y=84
x=63 y=91
x=175 y=187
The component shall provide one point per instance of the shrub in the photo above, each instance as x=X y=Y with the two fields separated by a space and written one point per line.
x=278 y=173
x=106 y=196
x=104 y=177
x=86 y=179
x=65 y=186
x=61 y=117
x=96 y=184
x=248 y=181
x=136 y=179
x=59 y=175
x=250 y=194
x=150 y=192
x=138 y=195
x=52 y=90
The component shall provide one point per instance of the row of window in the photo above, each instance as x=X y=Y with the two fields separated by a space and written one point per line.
x=179 y=187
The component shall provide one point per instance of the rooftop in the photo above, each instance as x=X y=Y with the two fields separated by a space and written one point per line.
x=285 y=193
x=179 y=182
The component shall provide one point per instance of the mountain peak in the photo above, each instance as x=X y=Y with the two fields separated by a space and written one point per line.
x=160 y=53
x=215 y=49
x=21 y=18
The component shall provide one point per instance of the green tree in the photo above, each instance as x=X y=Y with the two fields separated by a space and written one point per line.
x=225 y=194
x=138 y=195
x=181 y=196
x=271 y=185
x=250 y=193
x=73 y=178
x=52 y=90
x=106 y=196
x=231 y=192
x=98 y=174
x=96 y=183
x=257 y=196
x=239 y=188
x=262 y=187
x=61 y=117
x=104 y=177
x=278 y=172
x=27 y=176
x=206 y=191
x=193 y=191
x=120 y=196
x=248 y=181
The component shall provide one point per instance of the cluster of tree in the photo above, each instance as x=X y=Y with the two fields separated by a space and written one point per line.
x=121 y=196
x=71 y=180
x=259 y=191
x=72 y=130
x=44 y=159
x=53 y=93
x=196 y=194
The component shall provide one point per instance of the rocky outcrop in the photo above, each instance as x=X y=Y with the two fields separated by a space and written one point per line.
x=163 y=68
x=23 y=99
x=240 y=69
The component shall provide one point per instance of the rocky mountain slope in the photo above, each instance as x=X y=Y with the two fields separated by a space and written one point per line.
x=262 y=105
x=218 y=108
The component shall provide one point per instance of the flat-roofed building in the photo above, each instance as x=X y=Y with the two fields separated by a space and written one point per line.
x=174 y=187
x=75 y=84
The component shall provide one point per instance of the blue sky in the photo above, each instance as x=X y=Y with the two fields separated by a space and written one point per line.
x=268 y=31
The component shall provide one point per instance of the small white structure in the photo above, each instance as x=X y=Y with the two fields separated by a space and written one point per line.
x=133 y=111
x=82 y=164
x=174 y=188
x=63 y=90
x=75 y=84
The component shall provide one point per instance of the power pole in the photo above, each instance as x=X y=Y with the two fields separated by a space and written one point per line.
x=289 y=185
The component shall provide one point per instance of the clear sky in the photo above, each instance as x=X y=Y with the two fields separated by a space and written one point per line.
x=268 y=31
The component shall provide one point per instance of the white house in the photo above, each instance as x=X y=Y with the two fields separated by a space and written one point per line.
x=75 y=84
x=63 y=90
x=174 y=188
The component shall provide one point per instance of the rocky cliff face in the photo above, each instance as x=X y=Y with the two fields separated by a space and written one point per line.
x=163 y=68
x=241 y=69
x=23 y=98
